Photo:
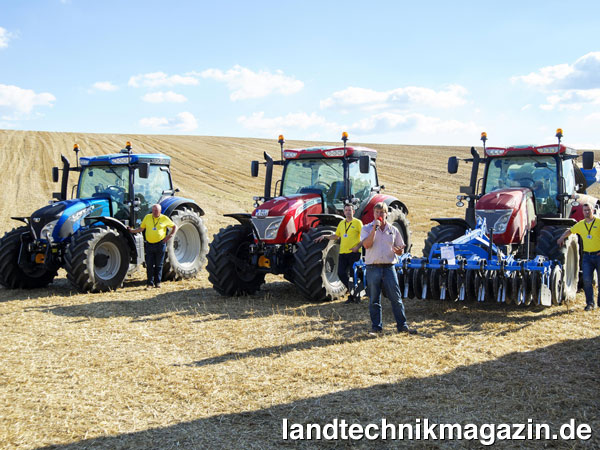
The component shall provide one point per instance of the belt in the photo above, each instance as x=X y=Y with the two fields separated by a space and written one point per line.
x=380 y=265
x=592 y=253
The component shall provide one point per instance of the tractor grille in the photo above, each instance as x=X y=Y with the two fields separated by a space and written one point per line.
x=266 y=229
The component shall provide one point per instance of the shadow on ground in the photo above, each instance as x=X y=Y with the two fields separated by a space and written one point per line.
x=550 y=385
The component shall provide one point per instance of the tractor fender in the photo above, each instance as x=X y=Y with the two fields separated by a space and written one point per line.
x=170 y=204
x=365 y=210
x=328 y=219
x=452 y=221
x=243 y=218
x=119 y=226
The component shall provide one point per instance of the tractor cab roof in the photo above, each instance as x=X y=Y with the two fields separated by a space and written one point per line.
x=329 y=152
x=529 y=150
x=124 y=159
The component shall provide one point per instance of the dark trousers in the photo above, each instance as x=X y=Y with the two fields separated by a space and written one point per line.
x=591 y=264
x=385 y=278
x=345 y=263
x=155 y=255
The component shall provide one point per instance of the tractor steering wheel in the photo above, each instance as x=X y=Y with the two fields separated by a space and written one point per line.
x=322 y=183
x=116 y=191
x=526 y=182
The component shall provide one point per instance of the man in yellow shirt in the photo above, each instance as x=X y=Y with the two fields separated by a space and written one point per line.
x=156 y=238
x=348 y=232
x=589 y=230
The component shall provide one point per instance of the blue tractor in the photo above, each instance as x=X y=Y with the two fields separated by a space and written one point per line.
x=87 y=235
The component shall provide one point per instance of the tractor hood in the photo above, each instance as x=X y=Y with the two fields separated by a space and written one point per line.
x=502 y=199
x=58 y=221
x=510 y=212
x=280 y=219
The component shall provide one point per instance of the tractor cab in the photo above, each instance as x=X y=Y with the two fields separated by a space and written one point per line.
x=336 y=179
x=138 y=180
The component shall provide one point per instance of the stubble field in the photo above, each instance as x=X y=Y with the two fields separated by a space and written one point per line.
x=184 y=367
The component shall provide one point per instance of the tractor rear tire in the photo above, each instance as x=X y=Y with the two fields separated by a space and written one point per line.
x=12 y=276
x=442 y=233
x=398 y=219
x=228 y=266
x=97 y=260
x=315 y=266
x=186 y=251
x=567 y=255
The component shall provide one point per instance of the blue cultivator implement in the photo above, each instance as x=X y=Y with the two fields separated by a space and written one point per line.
x=473 y=268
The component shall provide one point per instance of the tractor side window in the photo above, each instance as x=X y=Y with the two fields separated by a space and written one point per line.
x=149 y=190
x=569 y=176
x=361 y=183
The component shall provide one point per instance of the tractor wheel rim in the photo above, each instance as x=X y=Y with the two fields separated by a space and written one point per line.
x=330 y=264
x=109 y=256
x=186 y=244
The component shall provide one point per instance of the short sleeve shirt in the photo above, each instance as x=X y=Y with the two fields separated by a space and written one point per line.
x=381 y=251
x=156 y=229
x=584 y=229
x=349 y=234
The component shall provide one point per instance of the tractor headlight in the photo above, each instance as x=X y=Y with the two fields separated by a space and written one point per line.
x=273 y=228
x=502 y=222
x=46 y=232
x=497 y=219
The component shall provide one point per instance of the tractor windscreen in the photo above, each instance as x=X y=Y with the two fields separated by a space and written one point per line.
x=107 y=182
x=536 y=173
x=306 y=175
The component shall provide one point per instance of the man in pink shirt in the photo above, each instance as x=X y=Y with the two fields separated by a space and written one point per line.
x=382 y=243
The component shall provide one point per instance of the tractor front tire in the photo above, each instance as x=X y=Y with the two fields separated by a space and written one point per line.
x=13 y=276
x=441 y=233
x=398 y=219
x=567 y=255
x=315 y=266
x=186 y=251
x=97 y=259
x=228 y=266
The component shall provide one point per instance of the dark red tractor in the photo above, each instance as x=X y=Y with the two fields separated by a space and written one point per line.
x=308 y=202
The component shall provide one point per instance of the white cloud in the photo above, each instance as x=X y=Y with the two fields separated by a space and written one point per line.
x=582 y=74
x=157 y=79
x=106 y=86
x=164 y=97
x=5 y=36
x=22 y=101
x=452 y=96
x=183 y=122
x=245 y=84
x=573 y=99
x=387 y=122
x=282 y=124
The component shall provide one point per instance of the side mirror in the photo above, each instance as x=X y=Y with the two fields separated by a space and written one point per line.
x=254 y=168
x=55 y=174
x=452 y=164
x=144 y=169
x=364 y=163
x=588 y=160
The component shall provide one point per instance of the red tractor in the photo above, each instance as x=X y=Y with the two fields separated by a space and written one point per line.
x=308 y=201
x=528 y=196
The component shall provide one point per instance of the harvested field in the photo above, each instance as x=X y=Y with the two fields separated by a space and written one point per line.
x=183 y=367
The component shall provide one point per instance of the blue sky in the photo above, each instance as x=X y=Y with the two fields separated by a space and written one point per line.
x=428 y=72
